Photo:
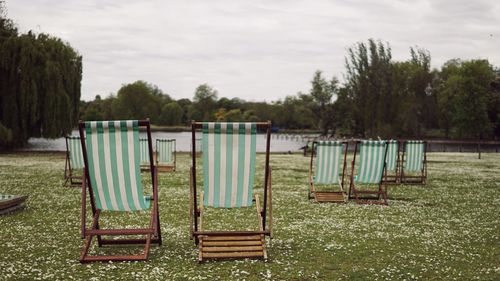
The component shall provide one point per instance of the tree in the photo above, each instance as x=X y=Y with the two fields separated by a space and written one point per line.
x=471 y=117
x=464 y=95
x=204 y=103
x=138 y=100
x=412 y=104
x=185 y=104
x=369 y=86
x=494 y=105
x=40 y=78
x=171 y=114
x=447 y=91
x=322 y=93
x=341 y=114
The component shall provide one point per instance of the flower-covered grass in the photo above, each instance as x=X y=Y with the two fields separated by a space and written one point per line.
x=448 y=229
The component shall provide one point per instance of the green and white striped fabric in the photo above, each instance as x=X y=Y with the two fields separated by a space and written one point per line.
x=144 y=151
x=165 y=149
x=229 y=164
x=392 y=155
x=7 y=196
x=328 y=159
x=113 y=164
x=75 y=152
x=371 y=157
x=414 y=157
x=198 y=145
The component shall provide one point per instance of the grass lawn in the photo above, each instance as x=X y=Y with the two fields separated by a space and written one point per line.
x=446 y=230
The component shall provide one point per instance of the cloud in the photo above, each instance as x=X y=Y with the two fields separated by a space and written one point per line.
x=255 y=50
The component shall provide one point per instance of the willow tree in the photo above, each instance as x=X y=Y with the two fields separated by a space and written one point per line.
x=40 y=78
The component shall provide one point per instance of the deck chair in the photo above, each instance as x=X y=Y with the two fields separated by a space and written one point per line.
x=392 y=174
x=414 y=170
x=144 y=152
x=329 y=170
x=165 y=155
x=111 y=153
x=74 y=162
x=11 y=203
x=229 y=152
x=372 y=165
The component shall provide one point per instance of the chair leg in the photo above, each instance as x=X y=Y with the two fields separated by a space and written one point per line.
x=158 y=227
x=147 y=241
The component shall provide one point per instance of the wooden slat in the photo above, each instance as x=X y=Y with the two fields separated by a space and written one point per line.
x=127 y=241
x=165 y=168
x=230 y=238
x=7 y=203
x=236 y=246
x=329 y=197
x=233 y=255
x=137 y=231
x=231 y=243
x=233 y=249
x=11 y=209
x=229 y=233
x=114 y=258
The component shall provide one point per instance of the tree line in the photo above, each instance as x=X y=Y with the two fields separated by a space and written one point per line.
x=40 y=80
x=379 y=98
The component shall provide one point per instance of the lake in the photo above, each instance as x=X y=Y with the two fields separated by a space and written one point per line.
x=279 y=142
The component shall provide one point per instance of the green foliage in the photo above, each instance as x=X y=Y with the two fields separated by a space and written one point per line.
x=409 y=104
x=40 y=78
x=204 y=103
x=494 y=104
x=322 y=92
x=138 y=100
x=464 y=95
x=171 y=114
x=369 y=81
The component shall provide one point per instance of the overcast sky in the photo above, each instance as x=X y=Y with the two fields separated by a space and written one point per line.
x=255 y=49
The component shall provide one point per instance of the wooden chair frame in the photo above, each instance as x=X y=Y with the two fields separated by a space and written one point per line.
x=414 y=179
x=328 y=196
x=152 y=233
x=237 y=243
x=166 y=167
x=11 y=203
x=69 y=177
x=366 y=195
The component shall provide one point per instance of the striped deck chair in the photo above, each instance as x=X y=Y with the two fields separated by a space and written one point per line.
x=392 y=174
x=414 y=170
x=74 y=162
x=329 y=170
x=229 y=152
x=11 y=203
x=372 y=165
x=111 y=153
x=165 y=155
x=144 y=152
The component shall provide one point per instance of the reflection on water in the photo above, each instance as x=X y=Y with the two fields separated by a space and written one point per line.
x=183 y=142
